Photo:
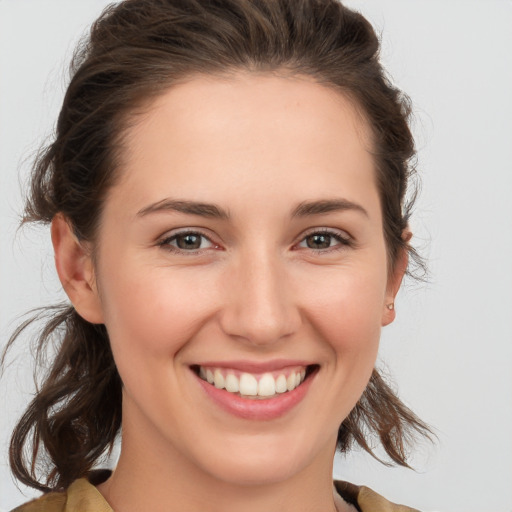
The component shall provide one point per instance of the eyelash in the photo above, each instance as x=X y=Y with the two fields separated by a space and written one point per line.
x=165 y=243
x=343 y=241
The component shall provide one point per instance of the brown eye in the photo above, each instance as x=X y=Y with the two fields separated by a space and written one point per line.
x=319 y=241
x=187 y=242
x=324 y=240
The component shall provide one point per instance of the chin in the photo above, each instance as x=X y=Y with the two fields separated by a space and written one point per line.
x=263 y=461
x=251 y=473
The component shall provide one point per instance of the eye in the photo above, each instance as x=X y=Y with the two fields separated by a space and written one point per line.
x=323 y=240
x=187 y=241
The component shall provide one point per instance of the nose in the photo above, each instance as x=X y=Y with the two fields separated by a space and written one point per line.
x=260 y=306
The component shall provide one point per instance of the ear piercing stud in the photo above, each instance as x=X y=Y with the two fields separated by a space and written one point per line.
x=391 y=306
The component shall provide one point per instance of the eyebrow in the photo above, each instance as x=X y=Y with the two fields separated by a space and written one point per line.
x=326 y=206
x=213 y=211
x=187 y=207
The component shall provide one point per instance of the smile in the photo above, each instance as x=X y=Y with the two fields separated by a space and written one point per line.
x=250 y=385
x=255 y=391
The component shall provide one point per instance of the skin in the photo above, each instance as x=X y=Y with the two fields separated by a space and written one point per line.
x=256 y=146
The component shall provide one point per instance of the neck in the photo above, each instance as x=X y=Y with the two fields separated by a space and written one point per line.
x=155 y=476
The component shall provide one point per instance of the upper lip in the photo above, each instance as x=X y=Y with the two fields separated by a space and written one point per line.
x=255 y=366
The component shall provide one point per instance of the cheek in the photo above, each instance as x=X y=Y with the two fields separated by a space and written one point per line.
x=347 y=317
x=352 y=336
x=350 y=302
x=153 y=311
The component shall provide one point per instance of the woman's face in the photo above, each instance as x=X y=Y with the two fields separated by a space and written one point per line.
x=243 y=243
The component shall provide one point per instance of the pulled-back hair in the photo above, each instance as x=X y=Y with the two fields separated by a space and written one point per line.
x=136 y=50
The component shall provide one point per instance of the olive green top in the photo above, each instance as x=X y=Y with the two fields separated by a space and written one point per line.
x=82 y=496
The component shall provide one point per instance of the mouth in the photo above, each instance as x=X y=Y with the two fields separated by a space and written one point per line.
x=255 y=386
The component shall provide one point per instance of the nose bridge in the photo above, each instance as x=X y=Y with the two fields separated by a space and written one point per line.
x=260 y=308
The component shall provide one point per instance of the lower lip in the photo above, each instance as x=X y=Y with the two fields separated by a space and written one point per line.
x=257 y=409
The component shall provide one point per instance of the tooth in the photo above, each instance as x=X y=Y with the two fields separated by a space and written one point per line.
x=267 y=385
x=209 y=376
x=248 y=385
x=281 y=384
x=218 y=379
x=290 y=382
x=202 y=373
x=232 y=383
x=302 y=374
x=297 y=379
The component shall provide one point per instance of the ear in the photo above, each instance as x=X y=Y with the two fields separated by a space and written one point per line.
x=76 y=271
x=395 y=281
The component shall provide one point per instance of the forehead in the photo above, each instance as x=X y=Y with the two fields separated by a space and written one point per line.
x=249 y=99
x=248 y=132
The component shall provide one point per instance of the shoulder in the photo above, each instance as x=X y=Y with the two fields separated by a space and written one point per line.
x=51 y=502
x=366 y=500
x=81 y=496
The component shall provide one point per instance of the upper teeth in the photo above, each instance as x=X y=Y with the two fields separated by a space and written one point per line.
x=247 y=384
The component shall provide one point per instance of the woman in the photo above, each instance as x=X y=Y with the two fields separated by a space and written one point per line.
x=226 y=198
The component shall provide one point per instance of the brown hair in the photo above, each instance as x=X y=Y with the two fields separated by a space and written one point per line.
x=136 y=50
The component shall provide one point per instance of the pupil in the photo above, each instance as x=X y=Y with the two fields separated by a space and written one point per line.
x=319 y=241
x=189 y=242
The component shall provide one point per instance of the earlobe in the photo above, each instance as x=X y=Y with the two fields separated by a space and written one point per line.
x=395 y=281
x=76 y=271
x=389 y=313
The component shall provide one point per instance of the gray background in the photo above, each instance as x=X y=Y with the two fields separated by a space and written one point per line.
x=450 y=349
